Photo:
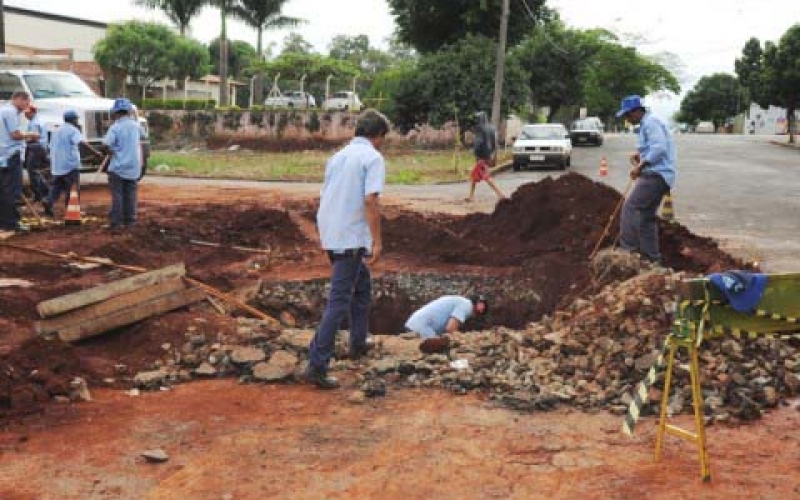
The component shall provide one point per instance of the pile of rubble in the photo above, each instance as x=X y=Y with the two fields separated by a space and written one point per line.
x=589 y=355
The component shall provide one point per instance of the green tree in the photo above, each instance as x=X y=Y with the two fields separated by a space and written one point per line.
x=190 y=58
x=264 y=15
x=226 y=9
x=316 y=67
x=241 y=57
x=714 y=98
x=294 y=43
x=456 y=80
x=429 y=25
x=358 y=51
x=179 y=12
x=140 y=51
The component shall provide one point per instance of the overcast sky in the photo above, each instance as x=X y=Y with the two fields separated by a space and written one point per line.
x=707 y=35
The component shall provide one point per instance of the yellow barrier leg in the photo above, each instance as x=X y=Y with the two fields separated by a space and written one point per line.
x=662 y=421
x=697 y=400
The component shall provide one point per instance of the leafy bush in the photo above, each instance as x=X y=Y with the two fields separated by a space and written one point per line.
x=188 y=104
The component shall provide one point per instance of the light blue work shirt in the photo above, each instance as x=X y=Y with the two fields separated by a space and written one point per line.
x=656 y=147
x=431 y=320
x=9 y=122
x=352 y=174
x=123 y=138
x=35 y=125
x=65 y=155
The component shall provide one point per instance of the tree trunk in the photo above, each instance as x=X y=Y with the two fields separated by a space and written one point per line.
x=223 y=60
x=790 y=122
x=258 y=85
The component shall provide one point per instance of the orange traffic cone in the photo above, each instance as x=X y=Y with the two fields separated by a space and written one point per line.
x=72 y=217
x=603 y=167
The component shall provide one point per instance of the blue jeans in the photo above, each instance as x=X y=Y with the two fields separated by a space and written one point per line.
x=10 y=192
x=63 y=184
x=123 y=201
x=350 y=295
x=638 y=223
x=35 y=159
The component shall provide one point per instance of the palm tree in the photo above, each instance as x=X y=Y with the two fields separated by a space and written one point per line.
x=226 y=7
x=264 y=15
x=179 y=12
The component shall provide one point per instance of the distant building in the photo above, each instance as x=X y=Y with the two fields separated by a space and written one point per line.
x=30 y=32
x=771 y=121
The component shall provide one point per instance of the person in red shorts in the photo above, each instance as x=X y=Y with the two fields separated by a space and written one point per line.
x=484 y=147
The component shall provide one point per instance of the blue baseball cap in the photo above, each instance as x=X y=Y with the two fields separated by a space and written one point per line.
x=70 y=115
x=121 y=104
x=742 y=289
x=629 y=103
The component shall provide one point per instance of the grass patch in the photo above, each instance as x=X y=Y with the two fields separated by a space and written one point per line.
x=402 y=167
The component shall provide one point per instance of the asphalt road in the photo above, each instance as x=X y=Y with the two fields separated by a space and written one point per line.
x=741 y=190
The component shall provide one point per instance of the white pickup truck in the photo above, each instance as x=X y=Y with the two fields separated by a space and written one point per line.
x=294 y=99
x=53 y=92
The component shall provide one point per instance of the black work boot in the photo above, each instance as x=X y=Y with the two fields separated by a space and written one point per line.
x=319 y=378
x=360 y=351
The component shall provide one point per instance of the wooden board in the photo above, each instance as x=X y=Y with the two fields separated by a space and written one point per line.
x=98 y=311
x=60 y=305
x=131 y=315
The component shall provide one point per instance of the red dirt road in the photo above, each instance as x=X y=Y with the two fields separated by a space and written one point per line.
x=293 y=442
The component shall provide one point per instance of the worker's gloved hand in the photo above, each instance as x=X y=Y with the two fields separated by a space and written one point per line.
x=435 y=345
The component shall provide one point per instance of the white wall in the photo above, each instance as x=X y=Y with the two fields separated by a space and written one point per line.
x=770 y=121
x=49 y=34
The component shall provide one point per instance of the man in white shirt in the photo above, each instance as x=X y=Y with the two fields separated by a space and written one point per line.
x=442 y=316
x=349 y=227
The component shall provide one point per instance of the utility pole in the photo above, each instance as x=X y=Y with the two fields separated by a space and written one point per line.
x=2 y=28
x=499 y=74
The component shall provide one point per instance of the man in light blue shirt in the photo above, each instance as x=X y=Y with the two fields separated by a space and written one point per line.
x=65 y=160
x=349 y=227
x=445 y=315
x=12 y=144
x=123 y=141
x=36 y=155
x=654 y=171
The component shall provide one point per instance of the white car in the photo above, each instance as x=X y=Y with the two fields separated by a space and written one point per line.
x=343 y=101
x=295 y=99
x=543 y=144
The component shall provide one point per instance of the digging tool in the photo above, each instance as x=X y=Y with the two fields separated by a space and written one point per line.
x=32 y=209
x=102 y=168
x=97 y=260
x=611 y=220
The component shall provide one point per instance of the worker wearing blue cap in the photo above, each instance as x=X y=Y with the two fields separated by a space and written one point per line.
x=654 y=172
x=125 y=168
x=65 y=160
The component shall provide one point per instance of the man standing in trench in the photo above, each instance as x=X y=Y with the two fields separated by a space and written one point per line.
x=654 y=172
x=349 y=222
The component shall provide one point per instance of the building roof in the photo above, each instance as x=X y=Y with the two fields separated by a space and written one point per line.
x=53 y=17
x=215 y=79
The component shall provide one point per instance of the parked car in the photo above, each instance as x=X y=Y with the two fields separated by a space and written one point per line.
x=704 y=128
x=343 y=101
x=294 y=99
x=543 y=144
x=586 y=131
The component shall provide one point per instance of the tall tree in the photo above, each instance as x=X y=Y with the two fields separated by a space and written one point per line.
x=428 y=25
x=751 y=72
x=137 y=50
x=226 y=8
x=264 y=15
x=294 y=43
x=190 y=58
x=179 y=12
x=714 y=98
x=241 y=56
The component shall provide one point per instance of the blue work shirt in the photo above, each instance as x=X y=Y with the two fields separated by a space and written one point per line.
x=65 y=154
x=352 y=174
x=123 y=138
x=9 y=122
x=35 y=125
x=656 y=147
x=431 y=320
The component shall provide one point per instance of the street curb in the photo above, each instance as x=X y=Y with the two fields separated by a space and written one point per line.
x=784 y=144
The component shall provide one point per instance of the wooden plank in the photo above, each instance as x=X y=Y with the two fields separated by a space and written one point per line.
x=98 y=311
x=132 y=315
x=66 y=303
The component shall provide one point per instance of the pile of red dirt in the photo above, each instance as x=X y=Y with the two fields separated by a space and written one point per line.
x=35 y=372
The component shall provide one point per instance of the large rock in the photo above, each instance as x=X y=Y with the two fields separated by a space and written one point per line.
x=297 y=340
x=151 y=379
x=281 y=365
x=247 y=355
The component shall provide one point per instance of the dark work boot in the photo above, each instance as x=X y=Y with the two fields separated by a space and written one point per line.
x=319 y=378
